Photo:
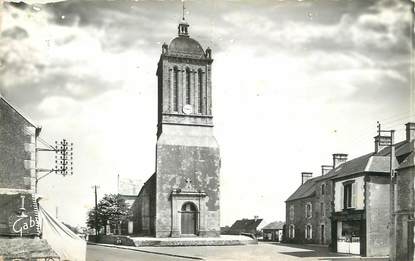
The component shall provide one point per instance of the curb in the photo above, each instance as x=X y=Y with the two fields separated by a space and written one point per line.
x=145 y=251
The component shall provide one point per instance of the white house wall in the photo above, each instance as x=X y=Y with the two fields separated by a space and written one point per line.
x=338 y=193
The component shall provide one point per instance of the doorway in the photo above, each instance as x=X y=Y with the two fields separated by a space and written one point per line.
x=188 y=219
x=322 y=234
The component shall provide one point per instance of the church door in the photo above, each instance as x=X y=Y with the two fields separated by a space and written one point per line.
x=189 y=215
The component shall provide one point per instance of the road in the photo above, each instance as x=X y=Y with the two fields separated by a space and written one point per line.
x=260 y=252
x=100 y=253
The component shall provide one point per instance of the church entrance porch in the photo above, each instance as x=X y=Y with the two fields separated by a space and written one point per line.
x=188 y=219
x=188 y=214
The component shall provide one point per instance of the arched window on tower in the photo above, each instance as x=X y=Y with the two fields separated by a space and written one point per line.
x=175 y=89
x=188 y=88
x=201 y=94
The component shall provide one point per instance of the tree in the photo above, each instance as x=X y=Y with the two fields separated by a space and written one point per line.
x=112 y=210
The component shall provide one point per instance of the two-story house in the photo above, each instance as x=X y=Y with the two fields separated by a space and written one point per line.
x=348 y=207
x=361 y=206
x=309 y=208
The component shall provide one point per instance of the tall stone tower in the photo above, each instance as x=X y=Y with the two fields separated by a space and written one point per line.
x=187 y=160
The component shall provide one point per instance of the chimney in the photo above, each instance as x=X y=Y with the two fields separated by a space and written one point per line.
x=381 y=142
x=339 y=158
x=410 y=131
x=325 y=169
x=306 y=176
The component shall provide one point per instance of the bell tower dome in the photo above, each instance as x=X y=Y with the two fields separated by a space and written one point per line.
x=184 y=82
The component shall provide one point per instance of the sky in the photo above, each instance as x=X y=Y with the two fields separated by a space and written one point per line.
x=293 y=83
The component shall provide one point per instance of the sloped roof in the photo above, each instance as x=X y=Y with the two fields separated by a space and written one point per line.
x=274 y=225
x=408 y=161
x=245 y=224
x=351 y=167
x=371 y=162
x=304 y=191
x=129 y=199
x=2 y=99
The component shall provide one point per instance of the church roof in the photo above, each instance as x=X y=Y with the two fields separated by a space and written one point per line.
x=186 y=46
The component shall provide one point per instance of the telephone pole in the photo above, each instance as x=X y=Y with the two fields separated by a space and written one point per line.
x=96 y=213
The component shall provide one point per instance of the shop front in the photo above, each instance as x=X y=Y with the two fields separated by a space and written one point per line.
x=349 y=232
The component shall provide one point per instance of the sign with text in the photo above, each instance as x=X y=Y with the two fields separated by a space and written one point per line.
x=23 y=225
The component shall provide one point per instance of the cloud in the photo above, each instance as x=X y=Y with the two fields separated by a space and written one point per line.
x=286 y=74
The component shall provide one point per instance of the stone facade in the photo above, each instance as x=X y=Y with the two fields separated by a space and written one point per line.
x=355 y=208
x=323 y=210
x=184 y=191
x=316 y=193
x=17 y=154
x=377 y=215
x=300 y=221
x=17 y=173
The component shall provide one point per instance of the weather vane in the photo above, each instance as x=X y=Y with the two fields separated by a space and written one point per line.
x=183 y=8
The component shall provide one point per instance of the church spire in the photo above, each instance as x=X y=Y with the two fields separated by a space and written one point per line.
x=183 y=25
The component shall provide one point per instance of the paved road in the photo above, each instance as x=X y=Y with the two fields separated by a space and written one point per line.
x=260 y=252
x=100 y=253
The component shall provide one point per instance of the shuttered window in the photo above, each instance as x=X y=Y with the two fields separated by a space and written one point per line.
x=308 y=210
x=349 y=194
x=354 y=194
x=308 y=231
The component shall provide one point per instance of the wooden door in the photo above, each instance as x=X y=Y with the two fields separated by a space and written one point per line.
x=188 y=219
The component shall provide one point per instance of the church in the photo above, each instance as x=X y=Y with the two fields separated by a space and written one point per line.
x=181 y=199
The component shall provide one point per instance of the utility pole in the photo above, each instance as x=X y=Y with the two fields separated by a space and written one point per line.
x=63 y=159
x=96 y=213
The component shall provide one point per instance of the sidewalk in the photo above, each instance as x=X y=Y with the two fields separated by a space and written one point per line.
x=141 y=249
x=262 y=251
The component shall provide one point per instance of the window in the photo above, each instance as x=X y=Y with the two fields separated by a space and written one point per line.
x=308 y=231
x=322 y=210
x=291 y=231
x=349 y=194
x=188 y=88
x=292 y=213
x=308 y=210
x=175 y=89
x=323 y=189
x=201 y=94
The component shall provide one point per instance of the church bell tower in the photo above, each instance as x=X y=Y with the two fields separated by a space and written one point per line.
x=187 y=153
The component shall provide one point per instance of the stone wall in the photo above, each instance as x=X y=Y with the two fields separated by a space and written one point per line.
x=144 y=208
x=324 y=218
x=403 y=245
x=377 y=215
x=17 y=150
x=188 y=159
x=300 y=221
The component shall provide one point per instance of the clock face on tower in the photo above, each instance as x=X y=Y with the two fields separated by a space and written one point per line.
x=187 y=109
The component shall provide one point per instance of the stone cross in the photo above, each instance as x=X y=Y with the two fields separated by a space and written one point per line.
x=188 y=183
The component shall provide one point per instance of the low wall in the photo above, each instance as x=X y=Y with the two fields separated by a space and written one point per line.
x=112 y=239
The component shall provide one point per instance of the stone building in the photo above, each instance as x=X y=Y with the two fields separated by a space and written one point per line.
x=309 y=208
x=273 y=231
x=402 y=234
x=353 y=215
x=182 y=197
x=17 y=172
